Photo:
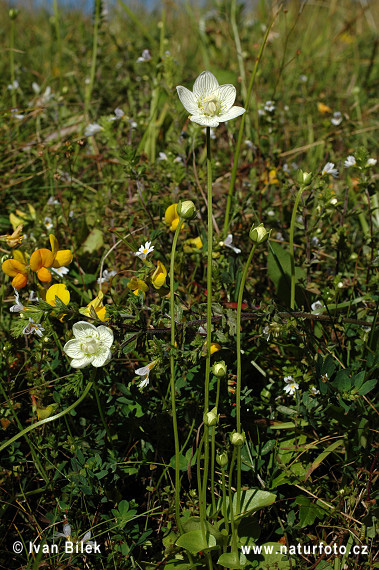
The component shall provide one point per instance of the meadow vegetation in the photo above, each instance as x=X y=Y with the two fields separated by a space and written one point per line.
x=189 y=314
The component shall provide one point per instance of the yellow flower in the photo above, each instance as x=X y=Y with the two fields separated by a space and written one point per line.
x=17 y=269
x=192 y=245
x=42 y=259
x=215 y=347
x=96 y=305
x=137 y=285
x=158 y=278
x=269 y=177
x=59 y=291
x=171 y=217
x=322 y=108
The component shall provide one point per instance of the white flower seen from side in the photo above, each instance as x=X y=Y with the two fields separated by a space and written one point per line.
x=144 y=372
x=18 y=307
x=291 y=386
x=91 y=345
x=317 y=307
x=371 y=162
x=144 y=250
x=60 y=271
x=329 y=169
x=228 y=243
x=92 y=129
x=146 y=56
x=209 y=104
x=336 y=119
x=33 y=328
x=350 y=161
x=106 y=276
x=65 y=534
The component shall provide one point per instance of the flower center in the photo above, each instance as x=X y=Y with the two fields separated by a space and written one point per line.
x=90 y=346
x=210 y=105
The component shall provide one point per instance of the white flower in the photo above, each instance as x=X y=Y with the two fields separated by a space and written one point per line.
x=91 y=345
x=14 y=85
x=106 y=276
x=201 y=330
x=52 y=201
x=162 y=156
x=60 y=271
x=16 y=114
x=228 y=243
x=291 y=386
x=317 y=306
x=371 y=162
x=119 y=113
x=146 y=56
x=303 y=78
x=314 y=391
x=210 y=103
x=315 y=241
x=33 y=298
x=65 y=534
x=133 y=124
x=92 y=129
x=144 y=372
x=48 y=223
x=18 y=306
x=144 y=250
x=329 y=169
x=33 y=328
x=350 y=161
x=286 y=168
x=336 y=119
x=269 y=106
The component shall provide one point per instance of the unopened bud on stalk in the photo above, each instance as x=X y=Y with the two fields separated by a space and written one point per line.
x=211 y=418
x=13 y=13
x=222 y=459
x=186 y=210
x=304 y=178
x=259 y=234
x=237 y=439
x=219 y=369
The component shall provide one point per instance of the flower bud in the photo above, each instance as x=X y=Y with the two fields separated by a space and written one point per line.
x=211 y=418
x=13 y=13
x=186 y=210
x=259 y=234
x=222 y=459
x=304 y=178
x=237 y=439
x=219 y=369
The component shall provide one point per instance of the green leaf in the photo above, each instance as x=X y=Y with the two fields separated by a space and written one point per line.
x=367 y=387
x=343 y=381
x=320 y=458
x=309 y=511
x=94 y=241
x=232 y=560
x=272 y=558
x=194 y=542
x=252 y=500
x=279 y=271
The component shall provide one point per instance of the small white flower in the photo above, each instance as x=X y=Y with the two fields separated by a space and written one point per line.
x=315 y=241
x=119 y=113
x=91 y=345
x=33 y=298
x=291 y=386
x=209 y=104
x=60 y=271
x=371 y=162
x=261 y=112
x=350 y=161
x=16 y=114
x=92 y=129
x=144 y=372
x=303 y=78
x=228 y=243
x=106 y=276
x=333 y=201
x=18 y=306
x=279 y=236
x=162 y=156
x=317 y=306
x=201 y=330
x=329 y=169
x=14 y=85
x=314 y=391
x=286 y=168
x=269 y=106
x=52 y=201
x=144 y=250
x=65 y=534
x=336 y=119
x=146 y=56
x=48 y=223
x=133 y=124
x=178 y=159
x=33 y=328
x=249 y=144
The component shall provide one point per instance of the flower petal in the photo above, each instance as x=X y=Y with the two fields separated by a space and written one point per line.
x=187 y=99
x=81 y=362
x=106 y=335
x=227 y=96
x=232 y=113
x=205 y=84
x=73 y=349
x=19 y=281
x=12 y=267
x=83 y=330
x=44 y=275
x=62 y=258
x=41 y=258
x=60 y=290
x=102 y=358
x=206 y=121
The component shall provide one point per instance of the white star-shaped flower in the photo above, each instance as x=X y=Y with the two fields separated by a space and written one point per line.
x=144 y=250
x=329 y=169
x=91 y=345
x=144 y=372
x=33 y=328
x=350 y=161
x=291 y=385
x=209 y=104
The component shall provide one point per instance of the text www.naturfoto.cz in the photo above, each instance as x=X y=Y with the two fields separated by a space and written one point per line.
x=304 y=549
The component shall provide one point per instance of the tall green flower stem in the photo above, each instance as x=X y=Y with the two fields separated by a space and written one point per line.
x=96 y=27
x=213 y=453
x=102 y=417
x=239 y=369
x=172 y=376
x=13 y=16
x=292 y=253
x=241 y=132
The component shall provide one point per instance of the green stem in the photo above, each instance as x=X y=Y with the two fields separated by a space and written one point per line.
x=59 y=42
x=234 y=533
x=11 y=62
x=224 y=492
x=50 y=419
x=241 y=133
x=100 y=408
x=94 y=57
x=292 y=253
x=239 y=368
x=172 y=377
x=213 y=454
